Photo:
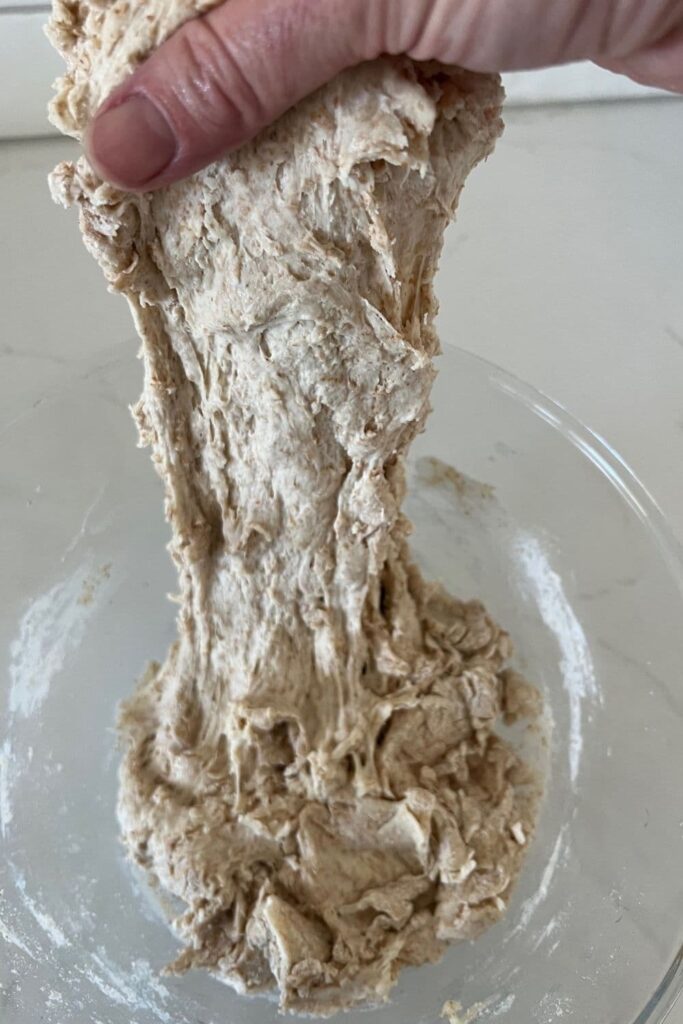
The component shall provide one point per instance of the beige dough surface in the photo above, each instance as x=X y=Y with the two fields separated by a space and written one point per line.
x=313 y=771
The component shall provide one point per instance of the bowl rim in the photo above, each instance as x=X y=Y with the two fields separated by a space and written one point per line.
x=594 y=446
x=619 y=474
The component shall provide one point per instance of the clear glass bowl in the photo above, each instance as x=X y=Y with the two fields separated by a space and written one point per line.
x=568 y=552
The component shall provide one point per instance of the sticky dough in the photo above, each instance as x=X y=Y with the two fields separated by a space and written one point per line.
x=314 y=769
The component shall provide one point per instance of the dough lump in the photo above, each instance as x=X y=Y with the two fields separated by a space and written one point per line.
x=313 y=771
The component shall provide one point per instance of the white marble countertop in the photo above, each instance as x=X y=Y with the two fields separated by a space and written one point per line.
x=565 y=268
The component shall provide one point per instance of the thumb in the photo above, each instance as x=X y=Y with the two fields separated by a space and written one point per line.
x=220 y=79
x=223 y=77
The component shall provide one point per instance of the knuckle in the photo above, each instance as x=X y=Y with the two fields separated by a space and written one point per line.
x=213 y=88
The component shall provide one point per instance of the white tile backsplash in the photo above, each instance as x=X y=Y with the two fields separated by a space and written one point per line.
x=29 y=67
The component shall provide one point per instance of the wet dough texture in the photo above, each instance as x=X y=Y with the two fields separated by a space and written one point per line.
x=313 y=770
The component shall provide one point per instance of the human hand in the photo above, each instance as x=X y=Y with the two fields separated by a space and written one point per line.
x=223 y=77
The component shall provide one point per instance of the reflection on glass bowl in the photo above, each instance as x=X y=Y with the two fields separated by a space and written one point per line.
x=542 y=521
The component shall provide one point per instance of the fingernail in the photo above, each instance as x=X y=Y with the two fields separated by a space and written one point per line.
x=132 y=143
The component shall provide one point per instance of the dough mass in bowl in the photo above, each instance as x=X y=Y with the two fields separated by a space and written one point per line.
x=313 y=771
